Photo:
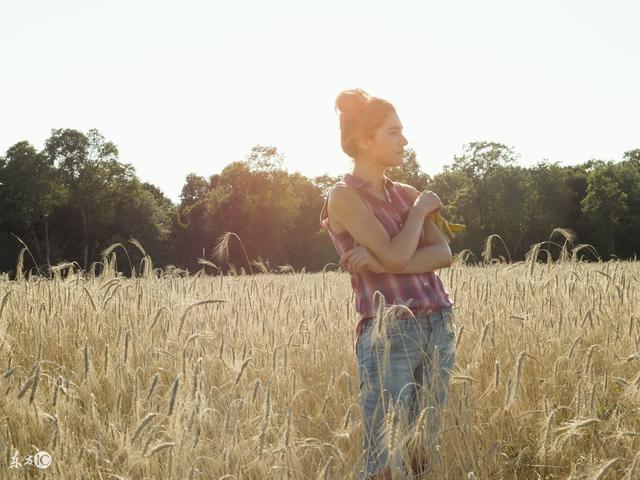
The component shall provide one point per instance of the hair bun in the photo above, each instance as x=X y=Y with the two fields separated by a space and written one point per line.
x=351 y=101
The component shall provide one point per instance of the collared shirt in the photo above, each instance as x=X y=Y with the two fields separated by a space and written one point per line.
x=422 y=292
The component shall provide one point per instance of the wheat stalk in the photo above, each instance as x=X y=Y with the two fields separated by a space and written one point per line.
x=142 y=425
x=221 y=249
x=174 y=393
x=244 y=365
x=606 y=468
x=161 y=447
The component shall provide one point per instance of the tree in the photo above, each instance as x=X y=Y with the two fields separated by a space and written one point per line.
x=605 y=205
x=194 y=190
x=106 y=201
x=189 y=233
x=478 y=198
x=144 y=213
x=551 y=201
x=325 y=182
x=32 y=190
x=482 y=158
x=628 y=174
x=90 y=171
x=252 y=204
x=305 y=242
x=265 y=159
x=632 y=156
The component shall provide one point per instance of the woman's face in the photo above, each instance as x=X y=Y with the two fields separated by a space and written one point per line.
x=387 y=147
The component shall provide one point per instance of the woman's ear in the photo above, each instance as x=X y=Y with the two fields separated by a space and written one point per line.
x=364 y=142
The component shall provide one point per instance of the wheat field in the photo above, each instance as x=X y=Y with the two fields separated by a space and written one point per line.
x=254 y=376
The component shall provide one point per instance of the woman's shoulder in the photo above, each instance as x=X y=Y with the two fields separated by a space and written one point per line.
x=338 y=197
x=411 y=192
x=341 y=194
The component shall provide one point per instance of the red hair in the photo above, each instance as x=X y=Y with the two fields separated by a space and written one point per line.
x=360 y=114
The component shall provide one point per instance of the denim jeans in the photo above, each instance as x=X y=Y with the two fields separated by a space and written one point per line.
x=404 y=363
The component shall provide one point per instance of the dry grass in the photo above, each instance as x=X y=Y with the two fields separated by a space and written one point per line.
x=173 y=376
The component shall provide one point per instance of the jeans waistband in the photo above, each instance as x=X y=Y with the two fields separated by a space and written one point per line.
x=404 y=315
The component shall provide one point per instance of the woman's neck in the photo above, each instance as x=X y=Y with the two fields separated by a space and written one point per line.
x=370 y=173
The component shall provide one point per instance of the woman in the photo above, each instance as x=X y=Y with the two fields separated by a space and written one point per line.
x=389 y=244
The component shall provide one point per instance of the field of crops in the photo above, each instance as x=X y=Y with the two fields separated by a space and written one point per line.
x=210 y=376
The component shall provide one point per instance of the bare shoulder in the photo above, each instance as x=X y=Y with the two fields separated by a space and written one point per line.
x=342 y=198
x=412 y=191
x=339 y=197
x=340 y=204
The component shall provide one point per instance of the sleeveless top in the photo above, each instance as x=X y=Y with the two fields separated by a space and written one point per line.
x=422 y=293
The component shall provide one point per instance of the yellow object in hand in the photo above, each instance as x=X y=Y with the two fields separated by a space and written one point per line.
x=449 y=229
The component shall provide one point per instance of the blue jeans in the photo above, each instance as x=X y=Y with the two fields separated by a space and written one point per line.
x=398 y=365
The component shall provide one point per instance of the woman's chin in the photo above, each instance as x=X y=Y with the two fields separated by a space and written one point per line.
x=394 y=163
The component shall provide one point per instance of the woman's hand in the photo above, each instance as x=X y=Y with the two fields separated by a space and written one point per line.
x=429 y=202
x=359 y=259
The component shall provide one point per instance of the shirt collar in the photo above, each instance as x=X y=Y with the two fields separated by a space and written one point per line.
x=356 y=182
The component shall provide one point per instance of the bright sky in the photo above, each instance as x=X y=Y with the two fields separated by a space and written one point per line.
x=191 y=86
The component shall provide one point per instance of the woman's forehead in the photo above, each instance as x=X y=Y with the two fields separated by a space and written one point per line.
x=392 y=121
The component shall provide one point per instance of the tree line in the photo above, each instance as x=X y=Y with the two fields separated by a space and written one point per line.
x=74 y=198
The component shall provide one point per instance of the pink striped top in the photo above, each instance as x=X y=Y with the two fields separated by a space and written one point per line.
x=423 y=292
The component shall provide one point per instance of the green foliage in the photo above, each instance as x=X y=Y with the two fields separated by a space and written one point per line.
x=325 y=182
x=74 y=198
x=30 y=193
x=612 y=204
x=605 y=204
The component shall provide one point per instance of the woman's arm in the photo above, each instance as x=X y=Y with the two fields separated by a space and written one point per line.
x=435 y=255
x=348 y=209
x=426 y=259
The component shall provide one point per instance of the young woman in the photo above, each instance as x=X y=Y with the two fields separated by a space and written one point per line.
x=390 y=245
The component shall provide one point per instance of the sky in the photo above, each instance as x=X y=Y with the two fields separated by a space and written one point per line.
x=191 y=86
